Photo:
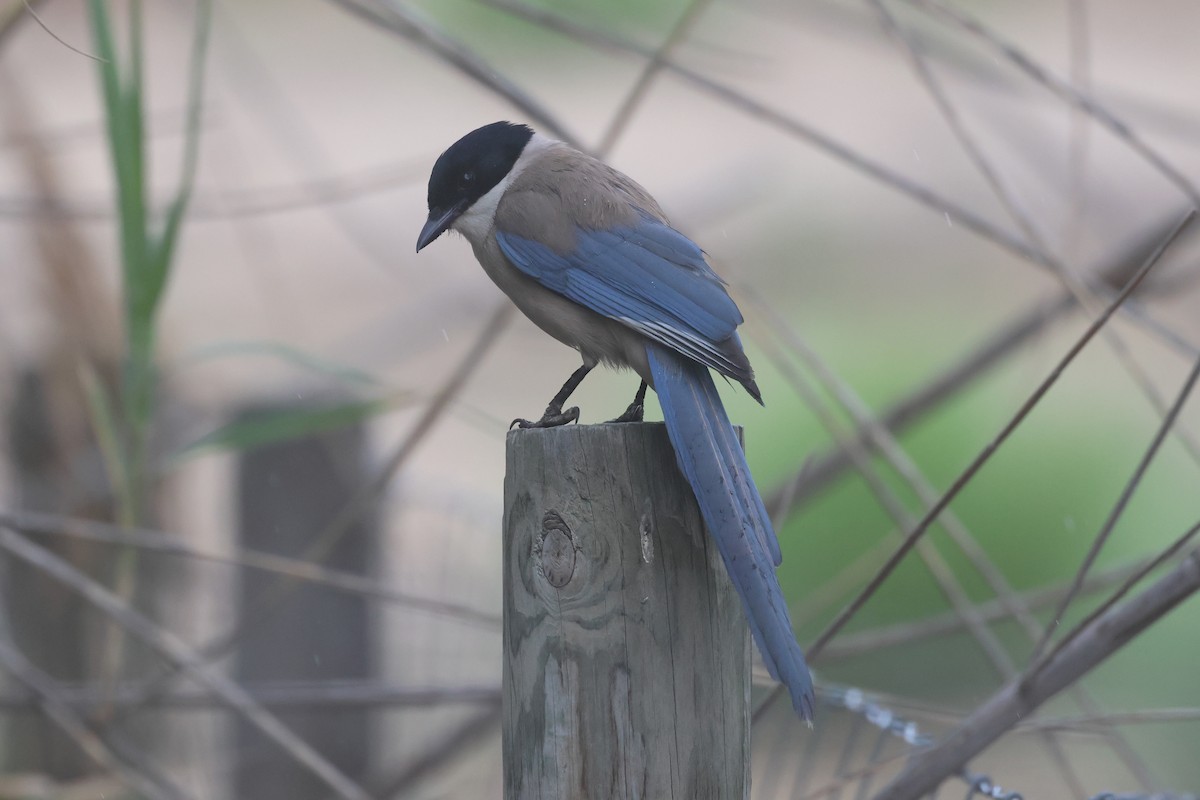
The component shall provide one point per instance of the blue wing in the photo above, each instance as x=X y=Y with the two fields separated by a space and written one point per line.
x=647 y=276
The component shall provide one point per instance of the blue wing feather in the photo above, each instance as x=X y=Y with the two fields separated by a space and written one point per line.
x=648 y=276
x=711 y=459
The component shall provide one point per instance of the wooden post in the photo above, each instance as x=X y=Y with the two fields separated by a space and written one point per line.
x=287 y=492
x=626 y=655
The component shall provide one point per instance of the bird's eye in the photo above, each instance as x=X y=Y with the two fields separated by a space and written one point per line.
x=467 y=179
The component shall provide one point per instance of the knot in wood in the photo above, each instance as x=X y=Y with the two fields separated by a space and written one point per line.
x=557 y=550
x=645 y=534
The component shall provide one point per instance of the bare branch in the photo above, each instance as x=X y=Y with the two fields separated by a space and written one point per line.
x=1114 y=516
x=362 y=500
x=981 y=459
x=943 y=575
x=1065 y=91
x=53 y=525
x=882 y=441
x=290 y=695
x=1099 y=639
x=48 y=698
x=637 y=94
x=1099 y=723
x=798 y=129
x=29 y=10
x=404 y=22
x=1008 y=198
x=1162 y=558
x=946 y=624
x=183 y=657
x=822 y=470
x=12 y=16
x=440 y=752
x=776 y=119
x=238 y=204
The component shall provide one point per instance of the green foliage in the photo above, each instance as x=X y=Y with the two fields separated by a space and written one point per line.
x=1035 y=508
x=147 y=245
x=341 y=373
x=269 y=427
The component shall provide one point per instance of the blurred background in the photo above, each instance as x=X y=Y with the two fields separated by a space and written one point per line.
x=252 y=446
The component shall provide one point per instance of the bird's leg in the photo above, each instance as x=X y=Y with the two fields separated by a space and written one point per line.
x=637 y=410
x=555 y=415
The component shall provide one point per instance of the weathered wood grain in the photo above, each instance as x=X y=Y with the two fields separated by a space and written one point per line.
x=626 y=656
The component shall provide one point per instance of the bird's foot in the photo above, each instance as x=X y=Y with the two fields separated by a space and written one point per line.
x=635 y=413
x=553 y=417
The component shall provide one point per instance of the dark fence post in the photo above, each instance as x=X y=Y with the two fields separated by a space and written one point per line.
x=287 y=493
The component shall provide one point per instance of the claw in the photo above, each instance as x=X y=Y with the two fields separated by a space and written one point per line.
x=553 y=418
x=635 y=413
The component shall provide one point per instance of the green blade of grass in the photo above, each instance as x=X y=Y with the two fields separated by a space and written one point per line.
x=164 y=247
x=269 y=427
x=104 y=426
x=286 y=353
x=146 y=261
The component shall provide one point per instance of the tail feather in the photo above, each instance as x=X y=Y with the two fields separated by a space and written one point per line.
x=713 y=463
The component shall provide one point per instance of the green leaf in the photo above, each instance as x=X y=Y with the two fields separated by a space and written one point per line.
x=289 y=354
x=269 y=427
x=104 y=425
x=164 y=246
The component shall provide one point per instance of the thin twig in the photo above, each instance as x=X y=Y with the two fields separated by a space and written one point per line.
x=12 y=16
x=238 y=204
x=1083 y=293
x=820 y=471
x=1079 y=49
x=334 y=696
x=403 y=21
x=1097 y=640
x=158 y=541
x=1089 y=723
x=942 y=205
x=1162 y=558
x=947 y=582
x=946 y=624
x=29 y=10
x=837 y=785
x=48 y=698
x=819 y=599
x=943 y=575
x=470 y=731
x=366 y=495
x=776 y=119
x=183 y=657
x=987 y=452
x=1118 y=509
x=883 y=442
x=1065 y=91
x=687 y=20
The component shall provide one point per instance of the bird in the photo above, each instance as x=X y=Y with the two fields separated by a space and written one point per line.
x=590 y=258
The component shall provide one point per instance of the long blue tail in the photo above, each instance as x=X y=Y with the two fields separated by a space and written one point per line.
x=712 y=460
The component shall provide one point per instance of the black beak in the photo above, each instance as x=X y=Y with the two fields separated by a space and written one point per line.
x=437 y=224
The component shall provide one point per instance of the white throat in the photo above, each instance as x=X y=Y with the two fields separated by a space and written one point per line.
x=476 y=222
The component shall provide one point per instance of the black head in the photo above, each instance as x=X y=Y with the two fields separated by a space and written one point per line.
x=468 y=170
